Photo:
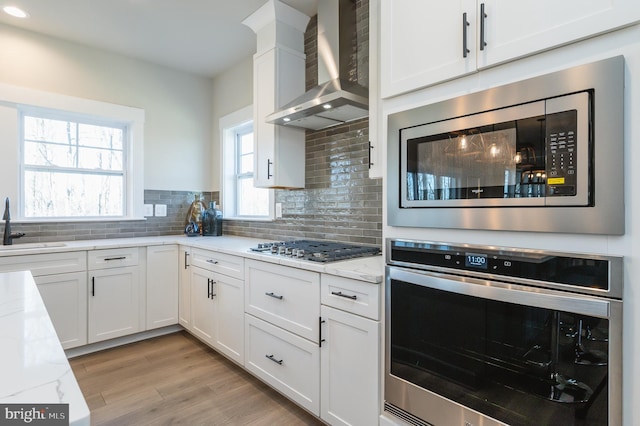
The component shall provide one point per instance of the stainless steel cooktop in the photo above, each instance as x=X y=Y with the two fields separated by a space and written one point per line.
x=316 y=251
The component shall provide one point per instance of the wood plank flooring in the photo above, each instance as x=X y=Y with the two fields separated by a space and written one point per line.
x=177 y=380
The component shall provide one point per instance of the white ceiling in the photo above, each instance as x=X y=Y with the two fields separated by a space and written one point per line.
x=203 y=37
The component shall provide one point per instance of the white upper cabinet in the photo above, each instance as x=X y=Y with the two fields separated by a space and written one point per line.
x=278 y=78
x=517 y=28
x=421 y=42
x=427 y=42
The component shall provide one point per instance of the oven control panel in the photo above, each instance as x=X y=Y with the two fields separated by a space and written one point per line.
x=593 y=272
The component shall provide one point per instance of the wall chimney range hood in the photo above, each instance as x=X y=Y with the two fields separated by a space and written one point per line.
x=337 y=99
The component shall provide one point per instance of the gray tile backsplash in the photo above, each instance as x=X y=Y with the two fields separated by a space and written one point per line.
x=177 y=202
x=339 y=202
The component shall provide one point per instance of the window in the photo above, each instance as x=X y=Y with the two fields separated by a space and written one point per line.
x=72 y=168
x=65 y=158
x=241 y=200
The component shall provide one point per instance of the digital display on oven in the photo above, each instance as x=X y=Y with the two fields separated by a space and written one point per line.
x=476 y=260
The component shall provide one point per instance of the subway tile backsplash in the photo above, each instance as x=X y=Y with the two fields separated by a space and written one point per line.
x=177 y=203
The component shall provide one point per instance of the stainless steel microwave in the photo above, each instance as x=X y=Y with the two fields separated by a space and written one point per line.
x=543 y=154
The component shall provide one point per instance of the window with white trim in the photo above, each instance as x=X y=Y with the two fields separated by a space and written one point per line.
x=240 y=199
x=72 y=167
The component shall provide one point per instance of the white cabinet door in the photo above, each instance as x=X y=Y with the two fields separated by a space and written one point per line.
x=202 y=301
x=422 y=42
x=518 y=28
x=285 y=361
x=228 y=316
x=162 y=286
x=279 y=152
x=184 y=295
x=65 y=296
x=114 y=303
x=350 y=356
x=284 y=296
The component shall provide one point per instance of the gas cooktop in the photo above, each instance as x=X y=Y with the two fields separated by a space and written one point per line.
x=316 y=251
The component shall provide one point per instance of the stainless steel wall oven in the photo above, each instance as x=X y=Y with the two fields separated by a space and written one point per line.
x=486 y=335
x=534 y=155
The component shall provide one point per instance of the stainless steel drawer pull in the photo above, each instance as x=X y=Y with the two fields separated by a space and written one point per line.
x=271 y=357
x=341 y=294
x=115 y=258
x=213 y=262
x=275 y=296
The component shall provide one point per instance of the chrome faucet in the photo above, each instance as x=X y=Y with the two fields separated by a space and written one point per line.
x=8 y=237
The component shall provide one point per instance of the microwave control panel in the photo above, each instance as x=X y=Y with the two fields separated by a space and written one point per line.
x=561 y=136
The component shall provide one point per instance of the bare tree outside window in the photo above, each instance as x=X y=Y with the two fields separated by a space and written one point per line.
x=72 y=168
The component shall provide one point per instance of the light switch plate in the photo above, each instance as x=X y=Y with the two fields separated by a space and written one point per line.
x=161 y=209
x=278 y=210
x=148 y=210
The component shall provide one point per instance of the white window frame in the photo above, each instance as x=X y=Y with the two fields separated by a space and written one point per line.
x=230 y=126
x=14 y=100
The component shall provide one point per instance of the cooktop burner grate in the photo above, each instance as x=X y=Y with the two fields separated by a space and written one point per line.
x=316 y=251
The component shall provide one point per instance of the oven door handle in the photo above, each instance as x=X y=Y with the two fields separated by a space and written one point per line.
x=486 y=289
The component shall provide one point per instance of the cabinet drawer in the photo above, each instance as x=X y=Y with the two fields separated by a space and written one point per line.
x=284 y=296
x=222 y=263
x=113 y=258
x=358 y=297
x=285 y=361
x=46 y=264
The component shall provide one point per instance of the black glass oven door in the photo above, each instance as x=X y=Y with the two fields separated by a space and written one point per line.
x=520 y=364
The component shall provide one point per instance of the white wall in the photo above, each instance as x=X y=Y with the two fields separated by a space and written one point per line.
x=232 y=90
x=177 y=105
x=624 y=42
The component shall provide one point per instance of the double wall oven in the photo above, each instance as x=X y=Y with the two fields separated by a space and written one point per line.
x=479 y=335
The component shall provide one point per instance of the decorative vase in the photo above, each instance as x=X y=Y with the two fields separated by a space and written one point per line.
x=212 y=221
x=195 y=212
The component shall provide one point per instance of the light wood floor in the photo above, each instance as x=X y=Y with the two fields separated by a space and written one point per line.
x=176 y=380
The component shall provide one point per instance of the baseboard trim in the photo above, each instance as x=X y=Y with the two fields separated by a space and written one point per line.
x=124 y=340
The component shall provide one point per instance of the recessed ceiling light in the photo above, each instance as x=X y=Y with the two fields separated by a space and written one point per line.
x=15 y=12
x=326 y=106
x=286 y=119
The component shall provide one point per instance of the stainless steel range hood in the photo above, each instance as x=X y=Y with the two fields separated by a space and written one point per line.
x=336 y=99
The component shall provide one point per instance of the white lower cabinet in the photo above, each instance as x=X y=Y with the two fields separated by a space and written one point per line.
x=65 y=297
x=116 y=294
x=162 y=286
x=228 y=319
x=216 y=305
x=287 y=362
x=350 y=357
x=184 y=288
x=284 y=296
x=114 y=303
x=62 y=282
x=202 y=322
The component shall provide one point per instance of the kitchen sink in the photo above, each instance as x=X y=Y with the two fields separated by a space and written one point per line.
x=31 y=246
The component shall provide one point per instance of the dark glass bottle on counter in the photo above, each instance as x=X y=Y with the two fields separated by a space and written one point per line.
x=212 y=221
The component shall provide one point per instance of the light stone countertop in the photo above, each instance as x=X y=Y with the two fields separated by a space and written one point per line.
x=34 y=367
x=369 y=269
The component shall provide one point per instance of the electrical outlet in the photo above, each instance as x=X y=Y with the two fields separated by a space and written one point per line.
x=161 y=209
x=278 y=210
x=148 y=210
